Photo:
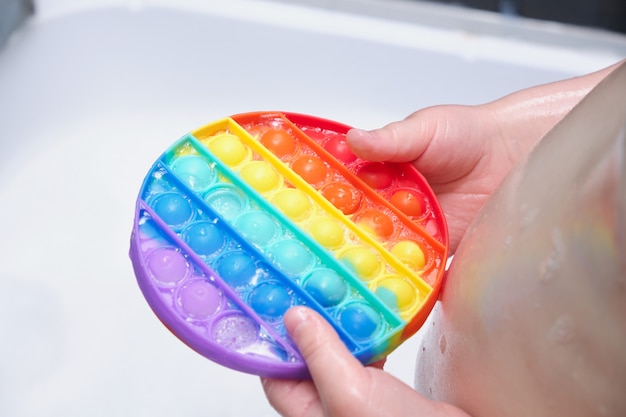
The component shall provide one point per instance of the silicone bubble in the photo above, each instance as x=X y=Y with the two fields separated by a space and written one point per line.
x=360 y=320
x=257 y=227
x=194 y=171
x=250 y=215
x=270 y=299
x=343 y=196
x=173 y=208
x=236 y=269
x=278 y=141
x=228 y=148
x=204 y=238
x=167 y=266
x=408 y=202
x=338 y=148
x=199 y=299
x=326 y=287
x=328 y=232
x=311 y=168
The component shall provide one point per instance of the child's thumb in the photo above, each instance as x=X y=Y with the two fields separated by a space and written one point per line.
x=401 y=141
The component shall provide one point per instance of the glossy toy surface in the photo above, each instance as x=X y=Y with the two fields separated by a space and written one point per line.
x=250 y=215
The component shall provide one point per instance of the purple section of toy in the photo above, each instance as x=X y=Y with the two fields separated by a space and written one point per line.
x=199 y=308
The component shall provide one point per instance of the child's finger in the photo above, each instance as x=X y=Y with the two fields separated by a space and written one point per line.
x=406 y=140
x=444 y=142
x=345 y=387
x=336 y=373
x=396 y=142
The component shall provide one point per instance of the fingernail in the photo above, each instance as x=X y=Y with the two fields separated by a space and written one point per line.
x=301 y=312
x=295 y=317
x=359 y=140
x=358 y=134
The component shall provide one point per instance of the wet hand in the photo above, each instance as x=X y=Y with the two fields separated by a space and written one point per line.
x=341 y=386
x=459 y=149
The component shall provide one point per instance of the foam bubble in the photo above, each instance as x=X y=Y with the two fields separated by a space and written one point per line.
x=235 y=332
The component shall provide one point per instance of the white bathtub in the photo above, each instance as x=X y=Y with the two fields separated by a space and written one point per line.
x=91 y=92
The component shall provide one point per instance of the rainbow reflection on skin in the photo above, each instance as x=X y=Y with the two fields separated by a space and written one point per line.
x=248 y=216
x=536 y=294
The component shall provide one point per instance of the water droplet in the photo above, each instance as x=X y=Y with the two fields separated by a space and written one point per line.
x=562 y=331
x=443 y=343
x=528 y=216
x=549 y=268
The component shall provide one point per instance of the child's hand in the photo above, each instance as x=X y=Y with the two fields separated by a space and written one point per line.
x=341 y=386
x=466 y=151
x=459 y=149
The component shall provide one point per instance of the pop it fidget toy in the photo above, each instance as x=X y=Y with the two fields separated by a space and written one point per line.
x=250 y=215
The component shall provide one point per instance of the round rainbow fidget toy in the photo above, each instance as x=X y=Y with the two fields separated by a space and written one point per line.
x=250 y=215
